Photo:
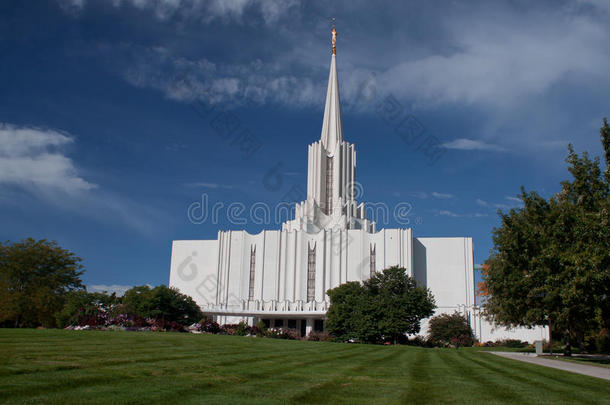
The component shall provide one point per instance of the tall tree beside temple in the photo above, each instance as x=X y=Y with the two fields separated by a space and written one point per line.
x=551 y=259
x=35 y=277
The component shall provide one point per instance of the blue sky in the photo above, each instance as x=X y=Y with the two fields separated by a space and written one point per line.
x=111 y=113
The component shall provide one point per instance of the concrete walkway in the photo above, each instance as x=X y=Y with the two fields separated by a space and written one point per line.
x=593 y=371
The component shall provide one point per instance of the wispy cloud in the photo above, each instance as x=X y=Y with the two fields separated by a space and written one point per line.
x=34 y=158
x=472 y=144
x=235 y=84
x=506 y=62
x=207 y=11
x=447 y=213
x=119 y=289
x=443 y=196
x=452 y=214
x=482 y=203
x=209 y=185
x=434 y=194
x=514 y=200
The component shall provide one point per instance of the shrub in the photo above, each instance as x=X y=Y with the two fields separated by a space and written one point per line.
x=514 y=343
x=418 y=341
x=319 y=337
x=242 y=329
x=228 y=329
x=209 y=326
x=446 y=329
x=283 y=333
x=260 y=329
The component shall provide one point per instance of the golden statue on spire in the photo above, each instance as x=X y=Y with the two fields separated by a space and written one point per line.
x=334 y=32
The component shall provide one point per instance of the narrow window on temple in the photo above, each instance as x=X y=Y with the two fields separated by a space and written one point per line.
x=373 y=259
x=252 y=267
x=311 y=273
x=329 y=185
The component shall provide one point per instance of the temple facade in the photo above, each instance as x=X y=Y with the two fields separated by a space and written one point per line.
x=281 y=276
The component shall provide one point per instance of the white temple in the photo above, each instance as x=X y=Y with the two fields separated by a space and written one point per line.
x=281 y=276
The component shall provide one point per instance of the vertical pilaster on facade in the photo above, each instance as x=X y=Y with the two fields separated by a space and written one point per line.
x=309 y=326
x=372 y=260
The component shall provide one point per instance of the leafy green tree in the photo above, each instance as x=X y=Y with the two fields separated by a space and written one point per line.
x=169 y=305
x=351 y=313
x=138 y=301
x=87 y=308
x=387 y=306
x=551 y=262
x=35 y=277
x=446 y=329
x=162 y=303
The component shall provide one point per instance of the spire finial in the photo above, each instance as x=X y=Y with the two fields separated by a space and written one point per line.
x=334 y=33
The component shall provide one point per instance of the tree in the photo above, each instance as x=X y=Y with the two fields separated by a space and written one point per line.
x=550 y=263
x=387 y=306
x=351 y=313
x=137 y=301
x=87 y=308
x=162 y=303
x=169 y=305
x=35 y=277
x=446 y=329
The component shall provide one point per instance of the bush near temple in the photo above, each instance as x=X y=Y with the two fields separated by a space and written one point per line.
x=450 y=329
x=315 y=336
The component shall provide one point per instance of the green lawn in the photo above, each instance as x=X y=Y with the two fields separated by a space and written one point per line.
x=585 y=360
x=54 y=366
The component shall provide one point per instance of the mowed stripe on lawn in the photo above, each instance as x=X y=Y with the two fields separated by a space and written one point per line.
x=54 y=366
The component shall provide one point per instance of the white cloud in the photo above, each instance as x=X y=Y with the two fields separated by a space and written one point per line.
x=227 y=8
x=203 y=10
x=514 y=200
x=112 y=288
x=209 y=185
x=434 y=194
x=189 y=80
x=443 y=196
x=32 y=158
x=501 y=64
x=470 y=144
x=273 y=10
x=482 y=203
x=447 y=213
x=72 y=7
x=419 y=194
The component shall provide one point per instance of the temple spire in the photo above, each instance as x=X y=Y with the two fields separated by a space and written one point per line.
x=332 y=131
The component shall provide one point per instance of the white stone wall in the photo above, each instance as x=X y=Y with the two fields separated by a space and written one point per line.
x=445 y=266
x=193 y=269
x=218 y=272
